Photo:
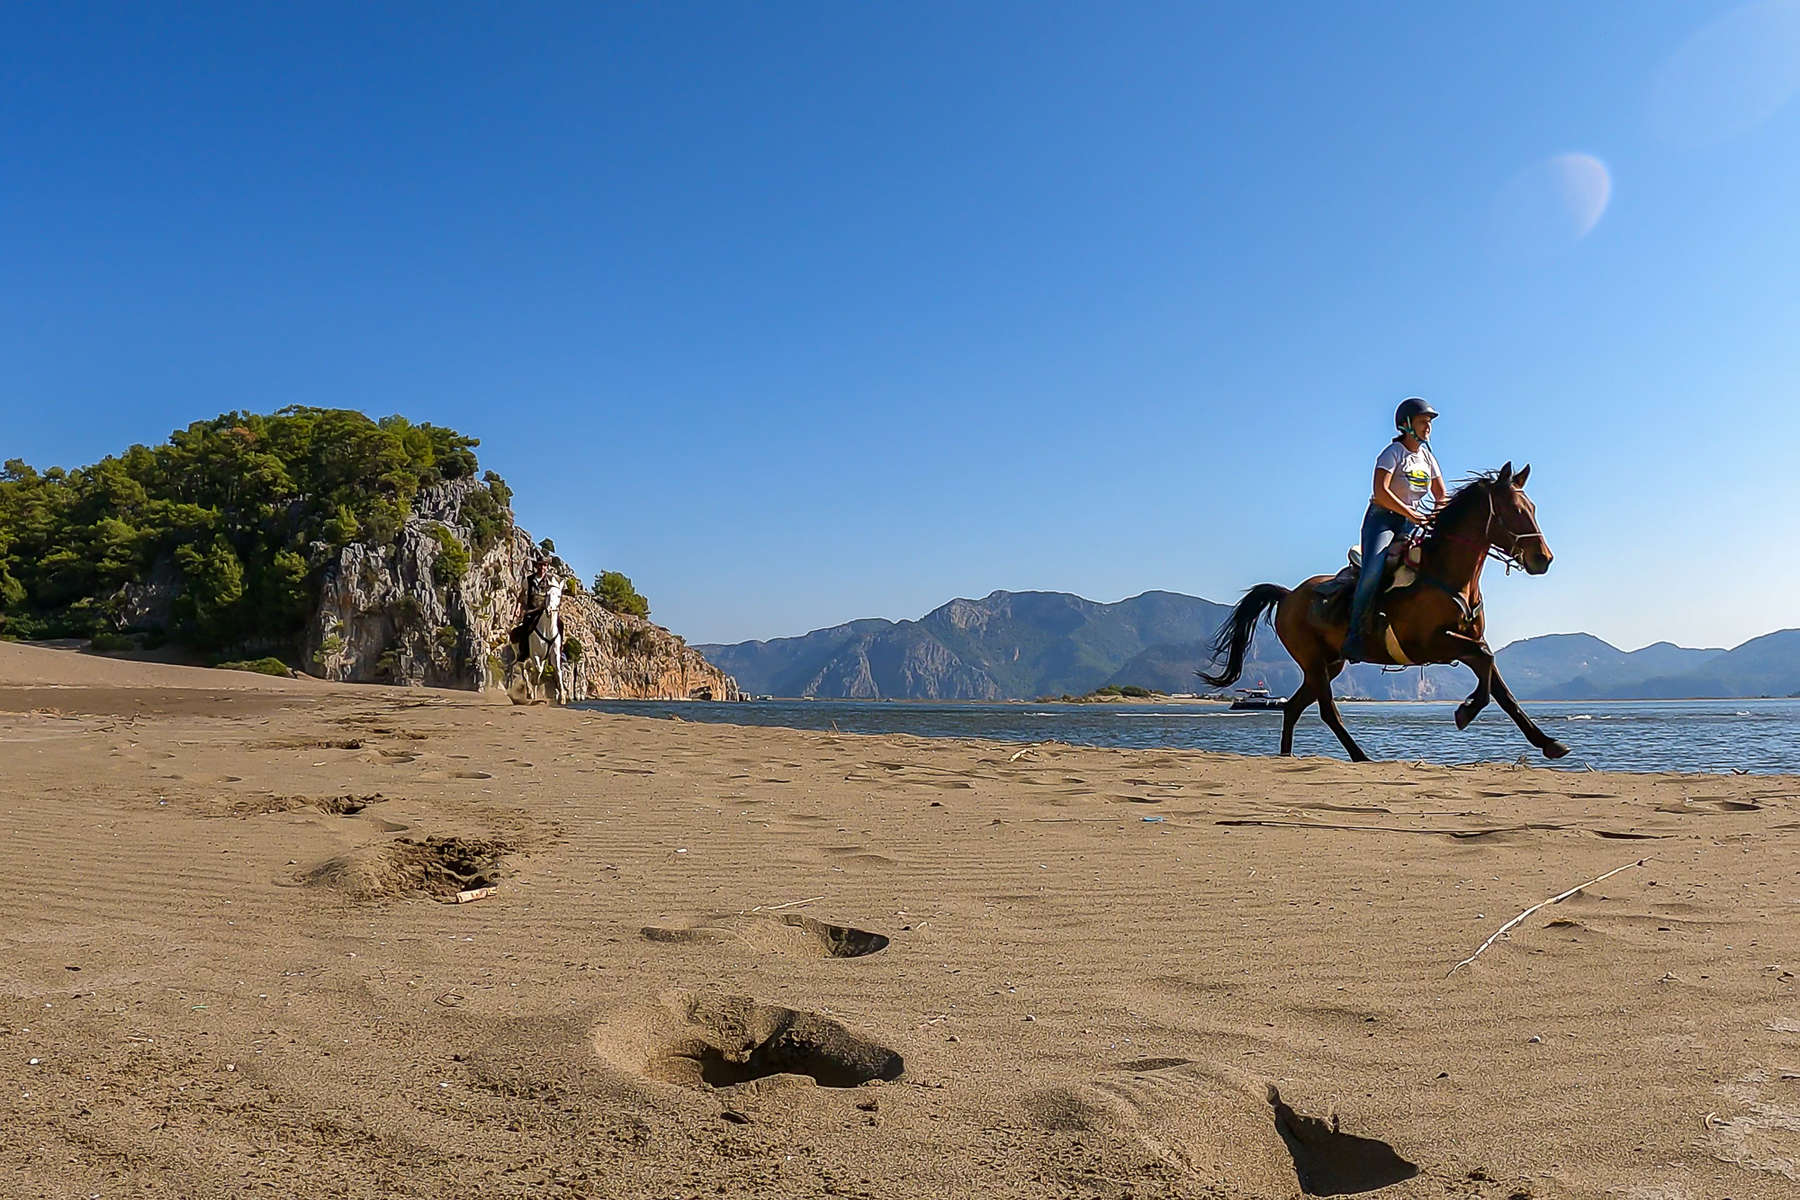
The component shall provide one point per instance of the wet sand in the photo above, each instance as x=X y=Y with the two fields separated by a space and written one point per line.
x=721 y=961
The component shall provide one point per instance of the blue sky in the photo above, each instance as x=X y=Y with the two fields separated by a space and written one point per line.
x=803 y=312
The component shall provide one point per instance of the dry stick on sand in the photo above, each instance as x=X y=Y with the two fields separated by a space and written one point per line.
x=1501 y=932
x=789 y=904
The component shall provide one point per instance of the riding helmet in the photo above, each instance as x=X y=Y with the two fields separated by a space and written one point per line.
x=1409 y=408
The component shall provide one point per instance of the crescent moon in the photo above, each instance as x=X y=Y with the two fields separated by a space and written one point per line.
x=1552 y=204
x=1585 y=187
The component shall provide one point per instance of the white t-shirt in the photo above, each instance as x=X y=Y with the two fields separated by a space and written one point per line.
x=1412 y=471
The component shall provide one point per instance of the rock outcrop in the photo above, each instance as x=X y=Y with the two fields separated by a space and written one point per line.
x=438 y=606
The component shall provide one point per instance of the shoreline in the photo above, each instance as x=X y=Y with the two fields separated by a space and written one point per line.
x=1451 y=703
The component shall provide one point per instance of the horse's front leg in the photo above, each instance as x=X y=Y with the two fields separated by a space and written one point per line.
x=1481 y=661
x=1537 y=737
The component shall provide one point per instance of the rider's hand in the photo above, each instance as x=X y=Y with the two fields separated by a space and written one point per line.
x=1415 y=516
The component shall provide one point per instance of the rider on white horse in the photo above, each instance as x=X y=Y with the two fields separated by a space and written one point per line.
x=549 y=585
x=547 y=588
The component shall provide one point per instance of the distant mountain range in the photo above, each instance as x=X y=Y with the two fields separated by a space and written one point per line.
x=1023 y=645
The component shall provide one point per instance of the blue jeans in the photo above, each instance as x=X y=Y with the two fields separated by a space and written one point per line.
x=1379 y=529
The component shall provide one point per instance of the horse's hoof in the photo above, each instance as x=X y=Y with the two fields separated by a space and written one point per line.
x=1464 y=714
x=1555 y=749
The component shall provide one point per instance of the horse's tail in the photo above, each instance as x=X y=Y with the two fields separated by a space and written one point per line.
x=1233 y=639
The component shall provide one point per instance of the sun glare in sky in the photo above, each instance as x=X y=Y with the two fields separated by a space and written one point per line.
x=1730 y=76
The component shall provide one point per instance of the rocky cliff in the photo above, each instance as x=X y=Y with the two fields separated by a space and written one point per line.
x=438 y=606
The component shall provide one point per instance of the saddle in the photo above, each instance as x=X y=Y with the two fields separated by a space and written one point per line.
x=1400 y=567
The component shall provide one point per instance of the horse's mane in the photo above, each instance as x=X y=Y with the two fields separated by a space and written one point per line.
x=1469 y=492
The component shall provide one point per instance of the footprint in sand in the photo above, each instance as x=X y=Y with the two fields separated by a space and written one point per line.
x=859 y=855
x=337 y=806
x=1138 y=1065
x=727 y=1041
x=438 y=867
x=1195 y=1119
x=1711 y=804
x=838 y=941
x=700 y=935
x=789 y=933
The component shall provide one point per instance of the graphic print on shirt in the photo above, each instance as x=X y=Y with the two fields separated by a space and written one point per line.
x=1412 y=470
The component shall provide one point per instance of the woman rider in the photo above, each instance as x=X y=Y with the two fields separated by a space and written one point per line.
x=1405 y=473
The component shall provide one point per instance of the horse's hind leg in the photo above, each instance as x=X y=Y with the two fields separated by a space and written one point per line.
x=1328 y=710
x=1290 y=714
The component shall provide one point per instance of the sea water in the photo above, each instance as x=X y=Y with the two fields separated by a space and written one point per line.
x=1623 y=735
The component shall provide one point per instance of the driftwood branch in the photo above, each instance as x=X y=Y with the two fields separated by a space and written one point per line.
x=789 y=904
x=1513 y=924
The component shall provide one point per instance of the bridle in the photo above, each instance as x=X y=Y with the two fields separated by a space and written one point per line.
x=1489 y=547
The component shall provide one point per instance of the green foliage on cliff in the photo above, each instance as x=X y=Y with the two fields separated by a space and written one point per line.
x=452 y=561
x=487 y=514
x=244 y=509
x=613 y=592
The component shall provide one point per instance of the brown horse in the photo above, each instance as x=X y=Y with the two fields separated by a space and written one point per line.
x=1436 y=619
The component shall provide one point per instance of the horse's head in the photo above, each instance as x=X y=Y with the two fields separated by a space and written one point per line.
x=1513 y=527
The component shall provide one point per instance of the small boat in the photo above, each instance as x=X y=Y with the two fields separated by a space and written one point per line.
x=1257 y=698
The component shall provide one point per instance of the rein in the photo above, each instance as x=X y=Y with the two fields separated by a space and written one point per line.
x=1471 y=613
x=1486 y=543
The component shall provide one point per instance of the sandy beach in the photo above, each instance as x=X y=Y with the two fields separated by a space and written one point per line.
x=719 y=961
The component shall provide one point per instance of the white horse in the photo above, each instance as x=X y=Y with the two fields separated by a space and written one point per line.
x=543 y=655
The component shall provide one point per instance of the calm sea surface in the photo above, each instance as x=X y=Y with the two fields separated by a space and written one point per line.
x=1682 y=735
